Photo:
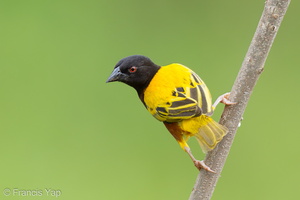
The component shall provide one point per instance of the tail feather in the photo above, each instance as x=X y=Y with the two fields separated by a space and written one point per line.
x=210 y=134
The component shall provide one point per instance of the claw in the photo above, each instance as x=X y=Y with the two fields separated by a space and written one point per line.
x=223 y=99
x=198 y=163
x=201 y=165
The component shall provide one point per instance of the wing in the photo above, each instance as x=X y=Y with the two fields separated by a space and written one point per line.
x=202 y=96
x=186 y=102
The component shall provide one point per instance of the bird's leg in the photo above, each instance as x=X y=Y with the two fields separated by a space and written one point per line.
x=198 y=163
x=177 y=134
x=223 y=99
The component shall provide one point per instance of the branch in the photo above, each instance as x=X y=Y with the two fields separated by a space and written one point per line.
x=250 y=71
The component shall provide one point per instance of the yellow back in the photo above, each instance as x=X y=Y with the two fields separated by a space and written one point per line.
x=178 y=78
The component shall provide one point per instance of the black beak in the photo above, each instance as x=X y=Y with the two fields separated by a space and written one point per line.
x=115 y=75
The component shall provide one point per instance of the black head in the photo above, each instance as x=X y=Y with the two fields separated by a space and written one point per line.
x=136 y=71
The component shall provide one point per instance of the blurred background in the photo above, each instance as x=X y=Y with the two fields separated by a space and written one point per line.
x=64 y=130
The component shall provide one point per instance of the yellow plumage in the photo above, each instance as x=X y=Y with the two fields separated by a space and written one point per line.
x=179 y=98
x=176 y=96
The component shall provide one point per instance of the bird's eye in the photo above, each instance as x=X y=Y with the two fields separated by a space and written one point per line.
x=132 y=69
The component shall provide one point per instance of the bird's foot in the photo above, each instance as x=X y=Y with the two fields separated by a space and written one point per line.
x=201 y=165
x=223 y=99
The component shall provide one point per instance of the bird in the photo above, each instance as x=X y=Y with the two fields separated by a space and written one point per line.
x=176 y=96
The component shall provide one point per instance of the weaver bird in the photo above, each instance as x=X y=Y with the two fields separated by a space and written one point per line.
x=176 y=96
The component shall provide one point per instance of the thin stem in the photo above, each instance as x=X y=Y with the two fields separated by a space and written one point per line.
x=250 y=71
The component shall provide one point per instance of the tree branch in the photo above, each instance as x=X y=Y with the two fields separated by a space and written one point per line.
x=250 y=71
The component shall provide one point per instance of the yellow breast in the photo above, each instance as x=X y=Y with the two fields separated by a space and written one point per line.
x=163 y=84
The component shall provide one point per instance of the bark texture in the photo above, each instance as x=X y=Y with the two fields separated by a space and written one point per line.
x=249 y=73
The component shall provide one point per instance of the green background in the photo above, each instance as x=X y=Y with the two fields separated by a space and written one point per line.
x=63 y=128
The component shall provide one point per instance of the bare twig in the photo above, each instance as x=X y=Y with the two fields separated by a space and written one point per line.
x=250 y=71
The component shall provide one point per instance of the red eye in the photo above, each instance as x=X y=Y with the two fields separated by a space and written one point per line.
x=132 y=69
